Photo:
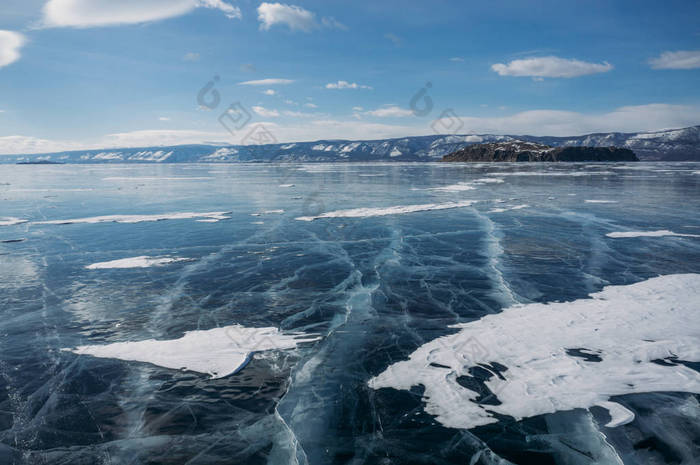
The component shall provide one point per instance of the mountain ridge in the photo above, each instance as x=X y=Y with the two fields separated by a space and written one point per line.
x=665 y=145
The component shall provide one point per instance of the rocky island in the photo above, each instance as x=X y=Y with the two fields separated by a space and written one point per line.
x=517 y=151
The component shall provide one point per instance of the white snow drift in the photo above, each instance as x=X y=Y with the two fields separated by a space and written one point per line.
x=626 y=328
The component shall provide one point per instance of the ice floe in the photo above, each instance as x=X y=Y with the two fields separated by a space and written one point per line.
x=141 y=218
x=543 y=358
x=659 y=233
x=383 y=211
x=136 y=262
x=218 y=352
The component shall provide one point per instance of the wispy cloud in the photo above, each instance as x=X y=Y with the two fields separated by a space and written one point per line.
x=390 y=111
x=163 y=118
x=551 y=66
x=191 y=56
x=10 y=44
x=270 y=92
x=266 y=82
x=96 y=13
x=684 y=59
x=332 y=23
x=396 y=40
x=299 y=114
x=310 y=105
x=346 y=85
x=457 y=59
x=265 y=112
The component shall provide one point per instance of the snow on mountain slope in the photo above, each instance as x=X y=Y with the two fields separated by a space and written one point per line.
x=670 y=145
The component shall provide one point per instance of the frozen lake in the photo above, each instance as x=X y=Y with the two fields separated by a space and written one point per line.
x=350 y=313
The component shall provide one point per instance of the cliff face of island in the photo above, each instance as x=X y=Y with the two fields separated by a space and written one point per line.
x=517 y=151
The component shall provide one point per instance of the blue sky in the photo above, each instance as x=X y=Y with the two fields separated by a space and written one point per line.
x=106 y=73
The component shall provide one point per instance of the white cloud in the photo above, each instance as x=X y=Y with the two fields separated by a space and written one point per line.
x=95 y=13
x=649 y=117
x=163 y=118
x=311 y=105
x=294 y=17
x=269 y=92
x=550 y=67
x=457 y=59
x=346 y=85
x=266 y=82
x=688 y=59
x=357 y=108
x=290 y=102
x=390 y=111
x=266 y=113
x=10 y=44
x=332 y=23
x=191 y=56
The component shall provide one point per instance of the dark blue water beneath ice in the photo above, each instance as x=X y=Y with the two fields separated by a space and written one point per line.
x=373 y=289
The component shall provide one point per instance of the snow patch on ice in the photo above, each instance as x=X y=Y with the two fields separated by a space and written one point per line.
x=659 y=233
x=550 y=173
x=10 y=221
x=383 y=211
x=157 y=178
x=539 y=357
x=505 y=209
x=459 y=187
x=489 y=180
x=136 y=262
x=140 y=218
x=218 y=352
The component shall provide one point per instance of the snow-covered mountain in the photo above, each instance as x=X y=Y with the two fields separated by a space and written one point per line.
x=670 y=145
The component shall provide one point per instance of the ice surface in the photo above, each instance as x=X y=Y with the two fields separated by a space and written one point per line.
x=629 y=328
x=382 y=211
x=659 y=233
x=600 y=201
x=135 y=262
x=218 y=352
x=376 y=289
